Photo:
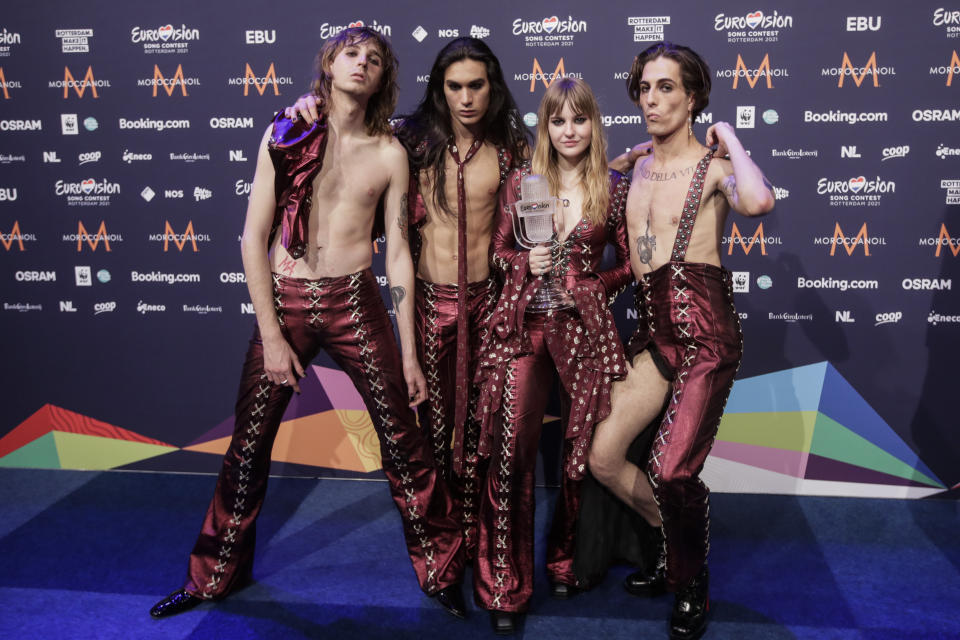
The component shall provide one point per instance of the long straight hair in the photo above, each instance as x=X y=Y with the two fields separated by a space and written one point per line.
x=426 y=132
x=594 y=177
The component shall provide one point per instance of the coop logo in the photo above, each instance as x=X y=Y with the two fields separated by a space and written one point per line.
x=74 y=40
x=104 y=307
x=855 y=192
x=328 y=30
x=179 y=240
x=927 y=284
x=889 y=153
x=87 y=192
x=888 y=317
x=950 y=19
x=549 y=32
x=648 y=28
x=6 y=85
x=847 y=69
x=145 y=308
x=850 y=243
x=165 y=39
x=260 y=36
x=943 y=240
x=538 y=73
x=79 y=86
x=260 y=83
x=130 y=157
x=171 y=84
x=88 y=157
x=21 y=125
x=864 y=23
x=92 y=240
x=753 y=27
x=752 y=76
x=16 y=238
x=226 y=122
x=736 y=239
x=7 y=40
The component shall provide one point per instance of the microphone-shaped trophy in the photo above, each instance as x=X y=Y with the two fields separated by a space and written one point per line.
x=535 y=222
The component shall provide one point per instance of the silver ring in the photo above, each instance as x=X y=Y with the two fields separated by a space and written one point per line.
x=284 y=381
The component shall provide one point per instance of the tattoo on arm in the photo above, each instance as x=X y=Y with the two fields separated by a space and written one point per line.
x=397 y=294
x=730 y=186
x=403 y=217
x=646 y=245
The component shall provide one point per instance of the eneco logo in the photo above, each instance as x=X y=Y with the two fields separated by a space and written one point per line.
x=79 y=86
x=848 y=69
x=261 y=83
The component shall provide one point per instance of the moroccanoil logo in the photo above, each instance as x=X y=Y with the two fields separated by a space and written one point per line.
x=261 y=82
x=949 y=70
x=944 y=240
x=858 y=73
x=79 y=86
x=179 y=239
x=753 y=76
x=850 y=243
x=537 y=73
x=15 y=236
x=6 y=85
x=92 y=239
x=737 y=239
x=171 y=84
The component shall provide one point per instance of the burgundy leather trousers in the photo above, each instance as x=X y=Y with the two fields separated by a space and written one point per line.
x=346 y=317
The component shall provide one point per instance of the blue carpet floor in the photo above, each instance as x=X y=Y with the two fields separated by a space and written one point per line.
x=85 y=555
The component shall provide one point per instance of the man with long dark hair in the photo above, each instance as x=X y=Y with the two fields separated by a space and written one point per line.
x=307 y=254
x=462 y=140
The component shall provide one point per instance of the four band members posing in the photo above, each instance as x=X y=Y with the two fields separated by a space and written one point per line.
x=479 y=350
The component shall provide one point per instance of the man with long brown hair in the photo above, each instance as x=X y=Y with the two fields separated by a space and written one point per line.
x=312 y=288
x=462 y=139
x=687 y=345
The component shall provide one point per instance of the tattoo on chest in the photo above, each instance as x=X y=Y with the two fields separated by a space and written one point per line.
x=397 y=294
x=665 y=176
x=646 y=245
x=287 y=265
x=403 y=217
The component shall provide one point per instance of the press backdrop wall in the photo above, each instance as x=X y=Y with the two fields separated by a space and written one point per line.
x=128 y=135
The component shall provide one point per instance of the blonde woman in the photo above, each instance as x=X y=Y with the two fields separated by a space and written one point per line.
x=526 y=350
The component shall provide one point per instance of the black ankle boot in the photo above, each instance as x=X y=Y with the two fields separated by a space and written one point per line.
x=451 y=599
x=177 y=602
x=504 y=623
x=649 y=582
x=690 y=609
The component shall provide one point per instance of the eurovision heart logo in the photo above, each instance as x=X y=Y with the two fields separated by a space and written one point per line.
x=87 y=185
x=549 y=24
x=166 y=32
x=358 y=23
x=753 y=19
x=856 y=184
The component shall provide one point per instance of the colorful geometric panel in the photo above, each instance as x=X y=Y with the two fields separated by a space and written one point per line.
x=55 y=438
x=807 y=431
